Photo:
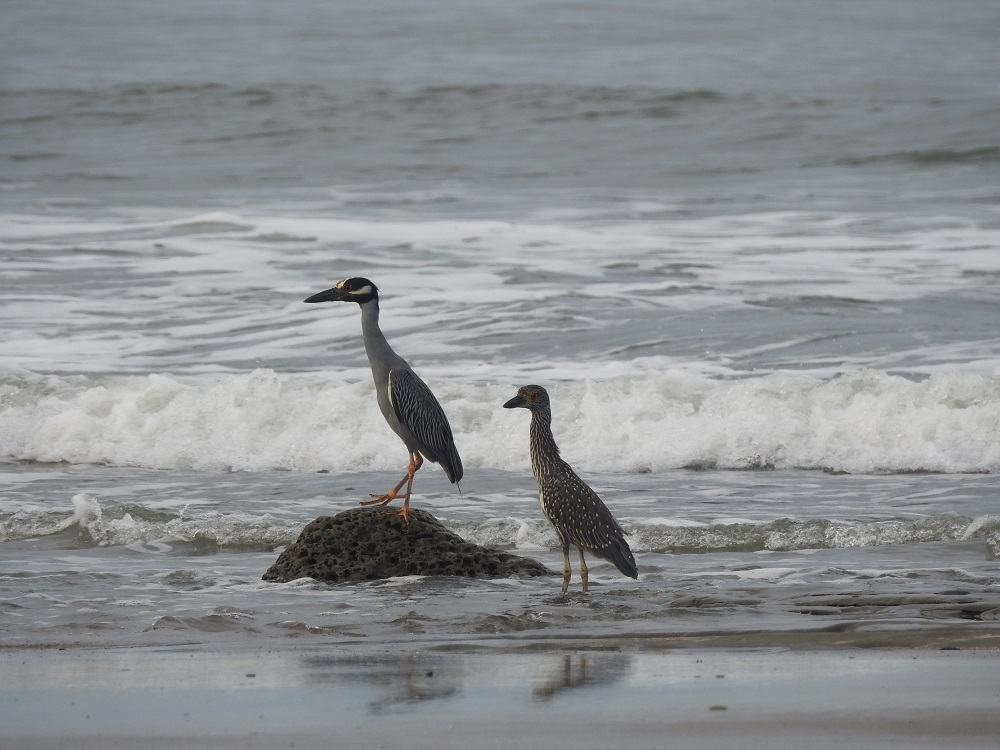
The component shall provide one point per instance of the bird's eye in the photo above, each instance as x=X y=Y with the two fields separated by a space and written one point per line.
x=348 y=288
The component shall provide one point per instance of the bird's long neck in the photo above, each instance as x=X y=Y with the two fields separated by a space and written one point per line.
x=544 y=451
x=376 y=346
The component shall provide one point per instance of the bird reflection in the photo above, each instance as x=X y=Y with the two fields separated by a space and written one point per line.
x=400 y=682
x=413 y=683
x=582 y=670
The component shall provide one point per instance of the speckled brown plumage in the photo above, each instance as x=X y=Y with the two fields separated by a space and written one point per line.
x=577 y=513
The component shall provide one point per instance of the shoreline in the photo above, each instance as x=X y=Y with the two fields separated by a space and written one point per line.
x=860 y=635
x=929 y=687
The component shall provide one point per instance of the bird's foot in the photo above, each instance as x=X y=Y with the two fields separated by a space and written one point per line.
x=379 y=500
x=405 y=512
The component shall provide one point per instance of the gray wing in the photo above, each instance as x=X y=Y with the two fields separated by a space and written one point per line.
x=417 y=410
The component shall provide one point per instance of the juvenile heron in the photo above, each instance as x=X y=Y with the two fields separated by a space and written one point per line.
x=579 y=516
x=405 y=400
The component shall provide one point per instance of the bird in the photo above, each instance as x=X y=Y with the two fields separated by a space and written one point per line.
x=577 y=513
x=408 y=405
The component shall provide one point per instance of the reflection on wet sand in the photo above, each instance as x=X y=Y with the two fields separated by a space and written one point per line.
x=415 y=683
x=406 y=680
x=402 y=681
x=583 y=670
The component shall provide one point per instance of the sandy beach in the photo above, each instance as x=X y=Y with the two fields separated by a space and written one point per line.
x=919 y=689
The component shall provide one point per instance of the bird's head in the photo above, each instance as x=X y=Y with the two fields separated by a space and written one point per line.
x=529 y=397
x=356 y=289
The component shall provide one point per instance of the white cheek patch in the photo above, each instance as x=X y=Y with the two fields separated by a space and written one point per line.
x=366 y=289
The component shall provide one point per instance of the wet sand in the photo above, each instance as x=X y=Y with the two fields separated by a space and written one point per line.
x=927 y=688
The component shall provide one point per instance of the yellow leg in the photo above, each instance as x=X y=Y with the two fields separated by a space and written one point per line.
x=567 y=573
x=583 y=571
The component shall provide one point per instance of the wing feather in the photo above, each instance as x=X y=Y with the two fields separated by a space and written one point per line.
x=419 y=412
x=590 y=523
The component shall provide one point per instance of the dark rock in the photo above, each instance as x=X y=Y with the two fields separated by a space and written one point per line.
x=360 y=545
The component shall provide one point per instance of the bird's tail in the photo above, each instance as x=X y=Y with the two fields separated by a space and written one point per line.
x=619 y=553
x=452 y=465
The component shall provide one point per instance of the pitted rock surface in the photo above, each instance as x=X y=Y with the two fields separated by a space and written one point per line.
x=360 y=545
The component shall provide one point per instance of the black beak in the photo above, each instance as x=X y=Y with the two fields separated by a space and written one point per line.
x=330 y=295
x=515 y=402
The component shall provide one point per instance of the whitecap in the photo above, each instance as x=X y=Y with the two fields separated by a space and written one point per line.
x=861 y=422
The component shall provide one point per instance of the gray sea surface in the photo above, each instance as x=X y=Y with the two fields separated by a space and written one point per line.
x=752 y=250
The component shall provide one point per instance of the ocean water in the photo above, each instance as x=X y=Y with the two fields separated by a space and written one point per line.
x=752 y=251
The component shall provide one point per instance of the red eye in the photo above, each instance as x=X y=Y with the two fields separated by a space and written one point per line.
x=348 y=288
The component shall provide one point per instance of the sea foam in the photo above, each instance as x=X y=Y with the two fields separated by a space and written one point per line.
x=107 y=524
x=858 y=422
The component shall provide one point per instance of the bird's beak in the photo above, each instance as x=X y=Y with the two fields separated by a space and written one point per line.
x=330 y=295
x=515 y=402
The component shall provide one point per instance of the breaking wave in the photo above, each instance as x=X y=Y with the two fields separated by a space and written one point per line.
x=860 y=422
